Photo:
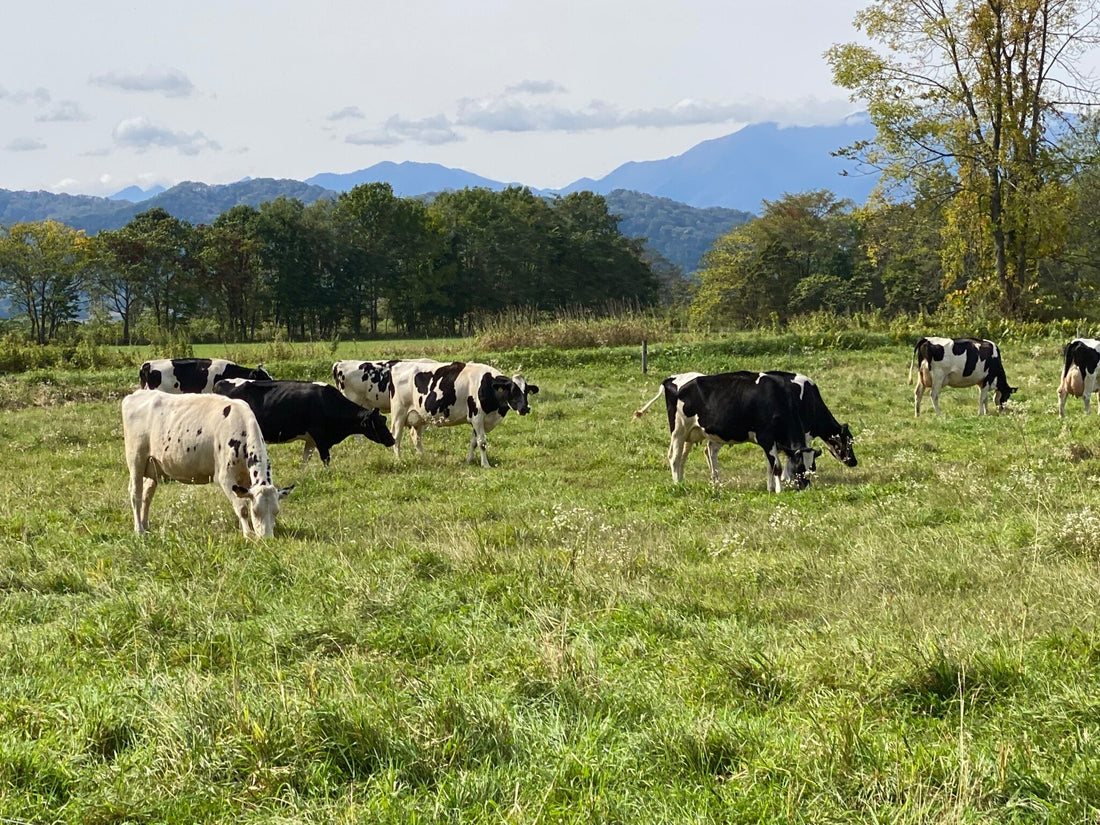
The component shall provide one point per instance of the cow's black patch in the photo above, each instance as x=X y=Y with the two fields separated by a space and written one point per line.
x=225 y=412
x=438 y=388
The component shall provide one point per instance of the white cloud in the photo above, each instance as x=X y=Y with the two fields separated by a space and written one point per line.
x=25 y=145
x=432 y=131
x=140 y=134
x=67 y=111
x=535 y=87
x=347 y=113
x=39 y=96
x=506 y=113
x=169 y=82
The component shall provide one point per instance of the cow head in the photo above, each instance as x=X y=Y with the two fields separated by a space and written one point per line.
x=260 y=374
x=263 y=500
x=374 y=427
x=1002 y=393
x=801 y=466
x=842 y=446
x=512 y=392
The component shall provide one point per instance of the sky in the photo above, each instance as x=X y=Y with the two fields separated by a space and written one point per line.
x=96 y=97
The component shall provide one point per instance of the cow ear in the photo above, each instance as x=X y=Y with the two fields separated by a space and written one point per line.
x=532 y=389
x=285 y=491
x=817 y=453
x=242 y=492
x=501 y=380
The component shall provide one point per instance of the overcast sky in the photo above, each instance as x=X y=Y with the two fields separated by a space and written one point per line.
x=97 y=96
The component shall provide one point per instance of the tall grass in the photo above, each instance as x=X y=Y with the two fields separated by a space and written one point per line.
x=567 y=636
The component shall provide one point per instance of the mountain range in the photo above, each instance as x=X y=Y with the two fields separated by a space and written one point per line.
x=683 y=203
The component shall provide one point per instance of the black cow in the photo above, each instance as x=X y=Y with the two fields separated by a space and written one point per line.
x=732 y=408
x=959 y=362
x=194 y=374
x=314 y=413
x=819 y=421
x=1079 y=372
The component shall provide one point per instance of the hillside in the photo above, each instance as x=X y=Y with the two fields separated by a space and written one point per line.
x=681 y=233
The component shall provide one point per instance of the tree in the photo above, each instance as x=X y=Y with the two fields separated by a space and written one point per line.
x=802 y=254
x=229 y=251
x=160 y=256
x=972 y=95
x=42 y=266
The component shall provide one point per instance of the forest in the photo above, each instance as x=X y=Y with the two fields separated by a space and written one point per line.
x=986 y=149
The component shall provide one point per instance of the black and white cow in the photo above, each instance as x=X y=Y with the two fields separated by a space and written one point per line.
x=194 y=374
x=368 y=383
x=733 y=408
x=819 y=421
x=1079 y=372
x=442 y=395
x=959 y=362
x=307 y=411
x=197 y=439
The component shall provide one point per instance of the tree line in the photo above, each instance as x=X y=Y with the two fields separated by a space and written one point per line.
x=348 y=266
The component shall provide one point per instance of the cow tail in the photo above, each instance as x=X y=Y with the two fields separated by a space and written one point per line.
x=913 y=360
x=643 y=410
x=1067 y=357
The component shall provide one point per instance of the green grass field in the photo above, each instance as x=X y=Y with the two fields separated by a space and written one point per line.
x=567 y=636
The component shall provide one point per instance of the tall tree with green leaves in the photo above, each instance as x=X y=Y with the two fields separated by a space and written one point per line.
x=971 y=94
x=162 y=259
x=229 y=254
x=42 y=268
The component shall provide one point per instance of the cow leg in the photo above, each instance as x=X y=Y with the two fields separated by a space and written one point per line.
x=149 y=487
x=712 y=459
x=480 y=440
x=416 y=431
x=397 y=429
x=936 y=396
x=983 y=400
x=307 y=450
x=678 y=450
x=1062 y=395
x=775 y=470
x=918 y=393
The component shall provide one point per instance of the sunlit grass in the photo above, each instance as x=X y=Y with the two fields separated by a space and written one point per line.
x=566 y=636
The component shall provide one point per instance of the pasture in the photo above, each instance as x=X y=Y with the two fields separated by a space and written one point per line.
x=566 y=636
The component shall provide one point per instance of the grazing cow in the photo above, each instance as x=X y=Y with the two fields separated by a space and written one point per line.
x=194 y=374
x=732 y=408
x=368 y=383
x=311 y=412
x=819 y=422
x=1082 y=357
x=959 y=362
x=443 y=395
x=197 y=439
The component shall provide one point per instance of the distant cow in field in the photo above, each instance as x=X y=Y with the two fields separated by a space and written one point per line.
x=368 y=383
x=197 y=439
x=819 y=421
x=442 y=395
x=1081 y=360
x=311 y=412
x=959 y=362
x=194 y=374
x=733 y=408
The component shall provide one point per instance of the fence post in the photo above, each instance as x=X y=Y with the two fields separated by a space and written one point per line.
x=645 y=356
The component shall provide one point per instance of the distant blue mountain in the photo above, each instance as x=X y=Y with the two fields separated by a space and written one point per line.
x=135 y=194
x=407 y=178
x=760 y=162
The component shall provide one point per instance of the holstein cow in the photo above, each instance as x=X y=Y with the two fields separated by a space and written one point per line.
x=817 y=418
x=368 y=383
x=1081 y=360
x=732 y=408
x=194 y=374
x=197 y=439
x=959 y=362
x=302 y=410
x=443 y=395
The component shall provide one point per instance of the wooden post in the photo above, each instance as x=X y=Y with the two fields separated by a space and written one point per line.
x=645 y=356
